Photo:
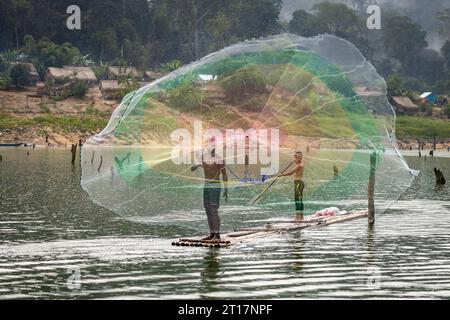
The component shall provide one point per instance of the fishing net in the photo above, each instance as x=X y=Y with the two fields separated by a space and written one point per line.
x=255 y=104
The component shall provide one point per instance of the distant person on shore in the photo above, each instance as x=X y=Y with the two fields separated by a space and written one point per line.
x=213 y=166
x=299 y=185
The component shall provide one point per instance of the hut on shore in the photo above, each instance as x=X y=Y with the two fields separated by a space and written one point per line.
x=428 y=97
x=34 y=75
x=69 y=74
x=150 y=76
x=404 y=106
x=118 y=73
x=110 y=89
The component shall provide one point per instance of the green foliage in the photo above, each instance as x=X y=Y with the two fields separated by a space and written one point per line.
x=171 y=66
x=20 y=75
x=394 y=84
x=337 y=19
x=219 y=28
x=13 y=55
x=44 y=108
x=145 y=36
x=446 y=54
x=127 y=86
x=243 y=84
x=3 y=64
x=185 y=97
x=79 y=89
x=255 y=18
x=403 y=39
x=83 y=123
x=82 y=61
x=5 y=81
x=49 y=54
x=446 y=110
x=419 y=127
x=396 y=87
x=305 y=24
x=100 y=70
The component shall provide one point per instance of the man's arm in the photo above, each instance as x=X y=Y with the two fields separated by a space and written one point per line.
x=225 y=182
x=196 y=166
x=290 y=173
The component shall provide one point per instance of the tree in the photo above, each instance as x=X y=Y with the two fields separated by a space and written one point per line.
x=255 y=18
x=445 y=51
x=219 y=27
x=15 y=14
x=444 y=17
x=79 y=89
x=403 y=40
x=430 y=66
x=49 y=54
x=20 y=75
x=305 y=24
x=394 y=85
x=3 y=64
x=171 y=66
x=337 y=19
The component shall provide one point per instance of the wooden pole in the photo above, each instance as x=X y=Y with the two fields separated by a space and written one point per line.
x=101 y=162
x=259 y=196
x=335 y=171
x=74 y=152
x=371 y=188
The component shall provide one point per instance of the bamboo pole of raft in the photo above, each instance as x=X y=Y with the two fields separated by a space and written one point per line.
x=371 y=188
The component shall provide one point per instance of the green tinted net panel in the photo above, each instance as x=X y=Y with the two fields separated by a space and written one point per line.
x=254 y=104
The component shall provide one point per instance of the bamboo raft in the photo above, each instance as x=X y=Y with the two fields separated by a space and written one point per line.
x=274 y=227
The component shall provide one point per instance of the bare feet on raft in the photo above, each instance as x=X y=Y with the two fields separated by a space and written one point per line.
x=299 y=216
x=212 y=237
x=208 y=238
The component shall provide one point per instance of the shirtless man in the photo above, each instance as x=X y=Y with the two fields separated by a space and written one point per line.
x=213 y=166
x=299 y=185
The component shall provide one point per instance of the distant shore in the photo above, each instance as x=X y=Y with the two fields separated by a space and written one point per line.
x=415 y=153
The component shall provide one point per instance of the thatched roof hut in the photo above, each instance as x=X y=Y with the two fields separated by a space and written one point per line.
x=404 y=105
x=34 y=75
x=116 y=73
x=69 y=73
x=150 y=76
x=111 y=89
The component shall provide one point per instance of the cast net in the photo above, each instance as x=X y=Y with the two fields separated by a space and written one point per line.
x=254 y=103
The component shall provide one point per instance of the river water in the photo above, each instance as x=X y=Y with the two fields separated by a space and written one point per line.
x=55 y=243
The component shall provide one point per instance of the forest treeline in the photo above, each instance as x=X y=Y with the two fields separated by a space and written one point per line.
x=148 y=34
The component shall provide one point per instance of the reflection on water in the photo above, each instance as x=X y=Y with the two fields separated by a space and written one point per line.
x=48 y=228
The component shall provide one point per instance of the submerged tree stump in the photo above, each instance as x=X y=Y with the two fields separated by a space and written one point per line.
x=440 y=179
x=371 y=188
x=74 y=152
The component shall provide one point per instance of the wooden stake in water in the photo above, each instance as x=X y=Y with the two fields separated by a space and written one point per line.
x=371 y=188
x=74 y=152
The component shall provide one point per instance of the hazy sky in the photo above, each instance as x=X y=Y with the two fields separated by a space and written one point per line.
x=421 y=11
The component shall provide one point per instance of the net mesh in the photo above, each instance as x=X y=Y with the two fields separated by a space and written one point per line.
x=255 y=103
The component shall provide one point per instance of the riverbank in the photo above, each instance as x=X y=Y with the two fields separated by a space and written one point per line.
x=436 y=154
x=25 y=118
